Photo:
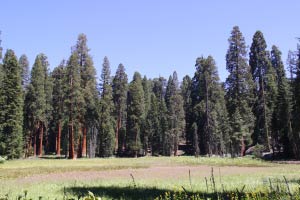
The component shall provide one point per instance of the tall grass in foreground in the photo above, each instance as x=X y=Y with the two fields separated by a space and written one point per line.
x=276 y=189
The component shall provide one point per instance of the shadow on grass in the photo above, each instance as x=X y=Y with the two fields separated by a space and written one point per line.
x=138 y=193
x=113 y=192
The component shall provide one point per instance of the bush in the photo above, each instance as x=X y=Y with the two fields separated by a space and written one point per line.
x=2 y=160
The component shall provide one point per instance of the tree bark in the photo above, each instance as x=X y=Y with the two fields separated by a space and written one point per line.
x=117 y=133
x=79 y=143
x=34 y=142
x=58 y=139
x=243 y=146
x=41 y=135
x=83 y=148
x=71 y=141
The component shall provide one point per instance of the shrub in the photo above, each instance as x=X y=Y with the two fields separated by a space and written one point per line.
x=2 y=160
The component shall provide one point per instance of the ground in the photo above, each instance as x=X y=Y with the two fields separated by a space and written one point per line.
x=138 y=178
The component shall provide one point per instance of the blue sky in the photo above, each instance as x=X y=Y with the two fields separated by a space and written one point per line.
x=154 y=37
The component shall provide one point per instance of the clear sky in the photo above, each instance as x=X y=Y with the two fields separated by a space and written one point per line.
x=154 y=37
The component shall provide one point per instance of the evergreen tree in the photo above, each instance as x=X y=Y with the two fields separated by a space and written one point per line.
x=24 y=65
x=176 y=116
x=48 y=88
x=74 y=102
x=147 y=102
x=58 y=96
x=265 y=80
x=296 y=109
x=188 y=110
x=176 y=121
x=11 y=118
x=152 y=137
x=106 y=130
x=207 y=99
x=282 y=120
x=119 y=86
x=239 y=92
x=135 y=115
x=37 y=105
x=163 y=138
x=88 y=84
x=292 y=64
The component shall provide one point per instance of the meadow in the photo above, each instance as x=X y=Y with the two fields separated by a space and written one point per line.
x=145 y=178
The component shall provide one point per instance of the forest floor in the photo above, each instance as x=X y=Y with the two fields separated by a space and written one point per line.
x=138 y=178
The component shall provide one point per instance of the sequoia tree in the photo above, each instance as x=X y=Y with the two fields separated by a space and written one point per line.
x=263 y=75
x=239 y=92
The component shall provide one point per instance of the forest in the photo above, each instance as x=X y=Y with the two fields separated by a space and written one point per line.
x=68 y=112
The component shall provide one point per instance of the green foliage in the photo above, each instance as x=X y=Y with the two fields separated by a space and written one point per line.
x=11 y=116
x=281 y=125
x=24 y=65
x=106 y=120
x=265 y=92
x=185 y=89
x=207 y=101
x=120 y=87
x=239 y=93
x=135 y=115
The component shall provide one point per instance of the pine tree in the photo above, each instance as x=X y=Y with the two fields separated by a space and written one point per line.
x=239 y=92
x=282 y=120
x=163 y=137
x=37 y=104
x=176 y=115
x=296 y=108
x=88 y=84
x=152 y=139
x=188 y=110
x=207 y=100
x=58 y=96
x=147 y=102
x=135 y=115
x=119 y=86
x=106 y=130
x=24 y=65
x=48 y=88
x=74 y=102
x=11 y=118
x=263 y=75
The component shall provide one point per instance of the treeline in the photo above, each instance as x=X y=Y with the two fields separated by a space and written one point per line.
x=68 y=111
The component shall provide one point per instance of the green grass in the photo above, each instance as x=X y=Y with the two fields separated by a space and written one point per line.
x=13 y=173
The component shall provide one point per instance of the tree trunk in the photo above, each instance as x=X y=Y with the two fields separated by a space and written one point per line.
x=71 y=141
x=266 y=131
x=176 y=146
x=83 y=147
x=136 y=141
x=243 y=146
x=117 y=133
x=78 y=144
x=34 y=142
x=58 y=139
x=41 y=135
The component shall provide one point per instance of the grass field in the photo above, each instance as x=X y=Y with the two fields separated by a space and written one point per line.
x=141 y=178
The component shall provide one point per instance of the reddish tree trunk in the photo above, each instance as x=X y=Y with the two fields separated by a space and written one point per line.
x=71 y=142
x=83 y=148
x=117 y=133
x=78 y=145
x=58 y=138
x=34 y=143
x=41 y=135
